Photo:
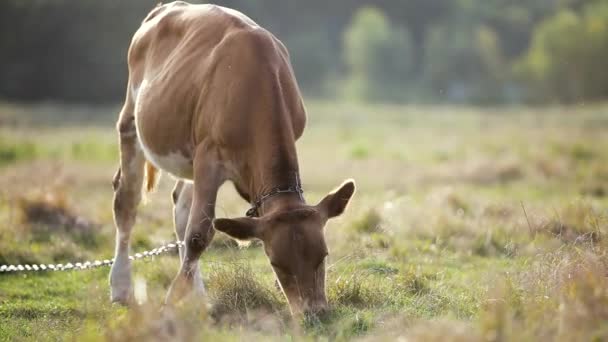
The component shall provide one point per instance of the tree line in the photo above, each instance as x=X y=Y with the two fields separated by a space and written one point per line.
x=412 y=51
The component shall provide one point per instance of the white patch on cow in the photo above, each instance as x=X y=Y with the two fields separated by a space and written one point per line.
x=134 y=92
x=174 y=163
x=181 y=214
x=120 y=275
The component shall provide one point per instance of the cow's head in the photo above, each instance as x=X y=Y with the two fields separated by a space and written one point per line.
x=294 y=242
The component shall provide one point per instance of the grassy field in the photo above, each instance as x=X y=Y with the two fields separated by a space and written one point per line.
x=468 y=225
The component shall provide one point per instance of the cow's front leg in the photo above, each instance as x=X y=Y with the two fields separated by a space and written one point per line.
x=208 y=177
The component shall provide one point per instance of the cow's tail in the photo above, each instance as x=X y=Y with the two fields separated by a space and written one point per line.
x=152 y=177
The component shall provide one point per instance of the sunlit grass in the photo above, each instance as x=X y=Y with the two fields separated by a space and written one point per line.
x=468 y=225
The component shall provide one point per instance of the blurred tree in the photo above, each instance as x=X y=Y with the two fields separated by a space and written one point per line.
x=567 y=56
x=314 y=60
x=454 y=50
x=379 y=57
x=464 y=63
x=66 y=50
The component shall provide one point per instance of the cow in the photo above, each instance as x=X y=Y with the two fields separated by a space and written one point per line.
x=212 y=97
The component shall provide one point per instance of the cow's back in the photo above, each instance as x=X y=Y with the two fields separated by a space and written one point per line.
x=203 y=72
x=180 y=36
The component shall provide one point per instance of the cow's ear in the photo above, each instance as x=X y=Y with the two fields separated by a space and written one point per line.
x=243 y=228
x=336 y=201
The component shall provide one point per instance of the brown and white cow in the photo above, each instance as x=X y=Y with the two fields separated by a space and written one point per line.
x=212 y=97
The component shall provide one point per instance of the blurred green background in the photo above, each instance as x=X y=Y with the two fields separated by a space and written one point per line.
x=412 y=51
x=475 y=129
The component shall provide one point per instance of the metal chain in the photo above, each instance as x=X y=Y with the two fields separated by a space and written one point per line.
x=89 y=264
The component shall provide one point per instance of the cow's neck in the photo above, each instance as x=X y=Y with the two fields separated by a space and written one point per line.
x=276 y=168
x=273 y=159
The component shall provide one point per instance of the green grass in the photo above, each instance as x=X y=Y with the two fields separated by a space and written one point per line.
x=468 y=225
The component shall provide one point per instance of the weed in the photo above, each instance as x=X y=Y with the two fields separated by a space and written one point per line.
x=411 y=282
x=356 y=289
x=235 y=289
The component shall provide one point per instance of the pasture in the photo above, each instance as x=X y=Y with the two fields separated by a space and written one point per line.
x=469 y=224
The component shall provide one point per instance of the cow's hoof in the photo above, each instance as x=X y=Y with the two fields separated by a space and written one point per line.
x=121 y=297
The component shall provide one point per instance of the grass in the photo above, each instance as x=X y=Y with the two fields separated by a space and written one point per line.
x=469 y=225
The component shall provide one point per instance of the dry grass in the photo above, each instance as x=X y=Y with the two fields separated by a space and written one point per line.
x=51 y=209
x=235 y=290
x=465 y=227
x=562 y=296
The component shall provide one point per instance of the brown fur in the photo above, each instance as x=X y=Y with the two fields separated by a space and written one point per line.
x=212 y=97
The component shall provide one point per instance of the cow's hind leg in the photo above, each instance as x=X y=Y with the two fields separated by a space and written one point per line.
x=182 y=202
x=208 y=177
x=127 y=195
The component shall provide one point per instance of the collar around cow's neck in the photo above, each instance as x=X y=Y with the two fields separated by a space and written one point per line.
x=296 y=188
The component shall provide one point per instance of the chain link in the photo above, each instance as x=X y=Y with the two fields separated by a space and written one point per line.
x=89 y=264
